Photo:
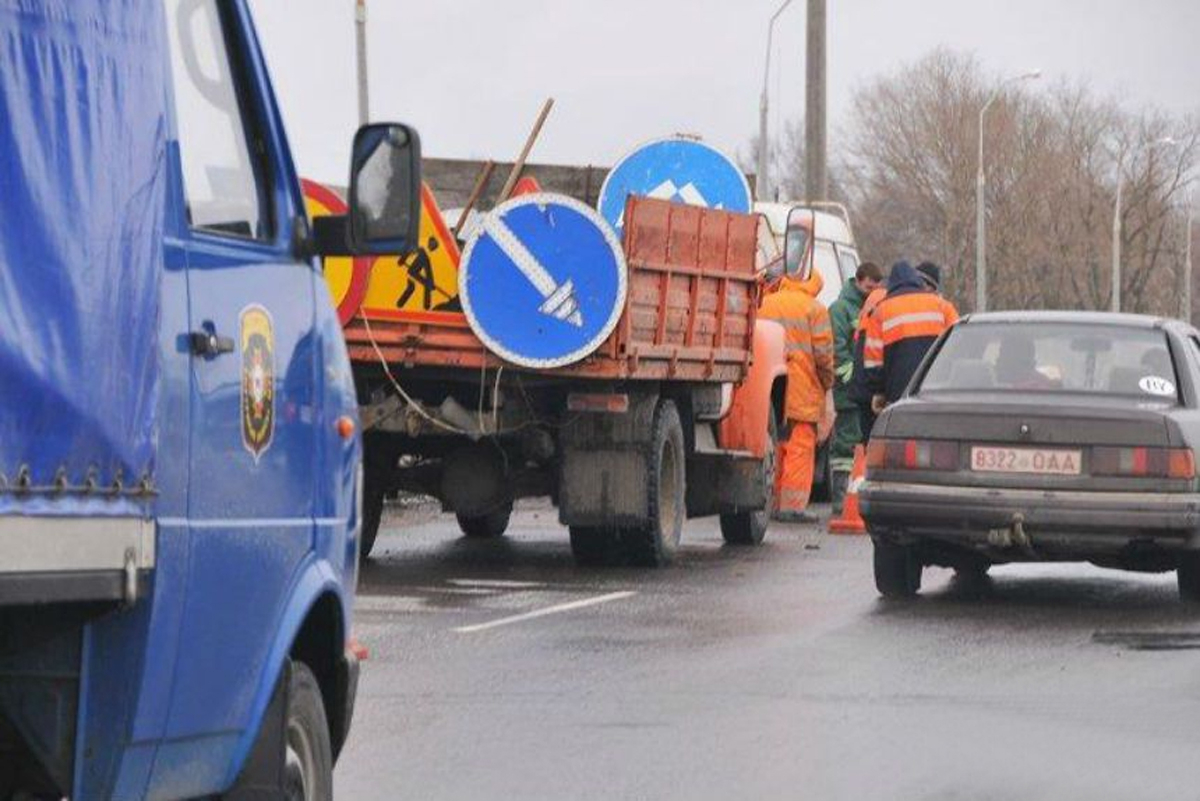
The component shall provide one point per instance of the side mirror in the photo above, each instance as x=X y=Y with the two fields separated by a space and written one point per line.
x=385 y=190
x=797 y=244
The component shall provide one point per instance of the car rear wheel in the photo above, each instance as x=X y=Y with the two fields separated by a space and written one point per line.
x=897 y=570
x=1188 y=576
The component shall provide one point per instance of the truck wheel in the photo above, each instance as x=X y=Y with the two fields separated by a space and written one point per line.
x=749 y=528
x=595 y=546
x=655 y=542
x=488 y=526
x=1188 y=576
x=372 y=517
x=897 y=570
x=308 y=756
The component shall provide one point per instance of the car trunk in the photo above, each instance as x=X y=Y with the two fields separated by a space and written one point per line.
x=1024 y=419
x=1064 y=425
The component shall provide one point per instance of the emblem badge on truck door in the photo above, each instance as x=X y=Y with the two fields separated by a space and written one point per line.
x=257 y=340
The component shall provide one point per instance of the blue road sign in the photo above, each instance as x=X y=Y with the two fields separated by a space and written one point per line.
x=543 y=281
x=675 y=169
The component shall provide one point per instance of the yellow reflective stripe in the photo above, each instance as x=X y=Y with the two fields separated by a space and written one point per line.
x=913 y=317
x=876 y=344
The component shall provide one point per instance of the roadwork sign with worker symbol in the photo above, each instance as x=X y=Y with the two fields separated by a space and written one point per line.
x=679 y=170
x=543 y=281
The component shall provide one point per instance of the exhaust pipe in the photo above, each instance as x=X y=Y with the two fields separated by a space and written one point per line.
x=1015 y=536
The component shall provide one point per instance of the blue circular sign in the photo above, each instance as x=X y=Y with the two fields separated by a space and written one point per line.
x=543 y=281
x=675 y=169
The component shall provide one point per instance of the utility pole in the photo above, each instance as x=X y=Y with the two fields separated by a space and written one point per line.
x=360 y=26
x=816 y=182
x=762 y=180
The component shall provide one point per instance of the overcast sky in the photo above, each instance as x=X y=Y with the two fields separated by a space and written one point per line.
x=472 y=74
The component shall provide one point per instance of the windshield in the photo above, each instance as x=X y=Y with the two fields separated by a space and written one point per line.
x=1055 y=357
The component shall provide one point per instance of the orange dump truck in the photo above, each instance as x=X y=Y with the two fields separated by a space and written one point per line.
x=673 y=416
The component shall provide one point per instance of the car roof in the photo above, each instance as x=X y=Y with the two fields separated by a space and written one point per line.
x=1077 y=317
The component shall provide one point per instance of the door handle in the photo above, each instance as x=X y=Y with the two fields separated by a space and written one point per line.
x=209 y=344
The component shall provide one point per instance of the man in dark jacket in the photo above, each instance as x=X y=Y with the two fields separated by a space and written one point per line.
x=900 y=331
x=847 y=432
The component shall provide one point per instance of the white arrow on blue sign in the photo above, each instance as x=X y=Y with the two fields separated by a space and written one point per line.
x=543 y=281
x=676 y=169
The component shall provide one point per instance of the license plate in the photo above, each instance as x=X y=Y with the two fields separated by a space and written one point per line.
x=1039 y=461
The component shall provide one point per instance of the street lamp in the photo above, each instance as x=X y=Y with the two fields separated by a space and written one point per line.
x=981 y=195
x=360 y=49
x=762 y=109
x=1166 y=141
x=1186 y=302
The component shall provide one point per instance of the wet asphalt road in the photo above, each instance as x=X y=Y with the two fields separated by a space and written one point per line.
x=771 y=673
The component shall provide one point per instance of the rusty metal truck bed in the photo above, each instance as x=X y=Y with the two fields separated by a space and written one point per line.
x=689 y=312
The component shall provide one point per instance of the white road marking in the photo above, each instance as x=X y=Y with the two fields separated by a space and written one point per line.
x=549 y=610
x=500 y=584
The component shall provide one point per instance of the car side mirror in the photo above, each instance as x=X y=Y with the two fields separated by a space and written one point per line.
x=385 y=190
x=797 y=244
x=384 y=197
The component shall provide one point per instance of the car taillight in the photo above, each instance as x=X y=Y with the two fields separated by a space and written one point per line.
x=912 y=454
x=1149 y=462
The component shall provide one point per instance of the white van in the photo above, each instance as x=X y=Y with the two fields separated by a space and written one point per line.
x=829 y=246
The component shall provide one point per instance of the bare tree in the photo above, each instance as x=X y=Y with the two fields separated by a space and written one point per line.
x=907 y=163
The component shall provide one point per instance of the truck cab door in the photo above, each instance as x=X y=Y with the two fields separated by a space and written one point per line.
x=253 y=444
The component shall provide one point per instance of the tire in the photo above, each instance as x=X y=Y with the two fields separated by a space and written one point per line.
x=897 y=570
x=1188 y=576
x=593 y=546
x=373 y=498
x=654 y=543
x=749 y=528
x=486 y=527
x=308 y=760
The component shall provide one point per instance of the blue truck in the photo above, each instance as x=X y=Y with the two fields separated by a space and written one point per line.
x=180 y=460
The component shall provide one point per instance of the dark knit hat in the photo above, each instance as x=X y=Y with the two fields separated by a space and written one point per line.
x=931 y=273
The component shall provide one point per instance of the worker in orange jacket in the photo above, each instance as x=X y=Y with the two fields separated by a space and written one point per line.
x=901 y=330
x=809 y=337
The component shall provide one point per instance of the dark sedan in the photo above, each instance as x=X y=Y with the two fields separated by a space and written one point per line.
x=1041 y=436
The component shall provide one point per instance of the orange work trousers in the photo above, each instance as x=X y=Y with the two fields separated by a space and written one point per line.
x=797 y=458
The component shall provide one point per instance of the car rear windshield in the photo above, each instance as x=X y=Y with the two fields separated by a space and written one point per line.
x=1055 y=357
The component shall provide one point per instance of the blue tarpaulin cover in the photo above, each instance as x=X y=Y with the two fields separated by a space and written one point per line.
x=83 y=138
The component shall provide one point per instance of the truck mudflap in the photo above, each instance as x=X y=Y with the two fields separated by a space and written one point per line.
x=74 y=559
x=725 y=483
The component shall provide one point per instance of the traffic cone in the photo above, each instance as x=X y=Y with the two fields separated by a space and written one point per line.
x=851 y=521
